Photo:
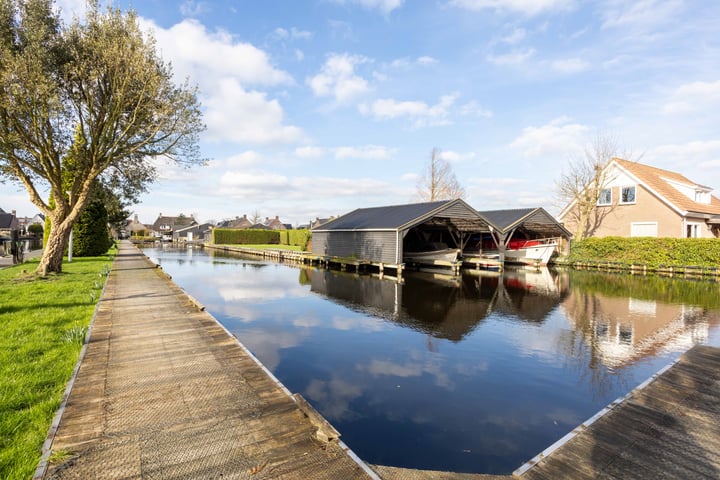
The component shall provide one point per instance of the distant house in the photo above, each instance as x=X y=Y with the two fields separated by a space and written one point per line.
x=275 y=223
x=238 y=223
x=25 y=222
x=8 y=223
x=134 y=227
x=193 y=233
x=164 y=226
x=643 y=201
x=319 y=222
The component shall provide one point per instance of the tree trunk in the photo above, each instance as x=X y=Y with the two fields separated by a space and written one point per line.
x=52 y=258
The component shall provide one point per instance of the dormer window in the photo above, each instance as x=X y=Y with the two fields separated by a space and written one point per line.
x=627 y=194
x=702 y=196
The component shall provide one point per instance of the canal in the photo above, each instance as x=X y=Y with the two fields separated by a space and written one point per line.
x=472 y=374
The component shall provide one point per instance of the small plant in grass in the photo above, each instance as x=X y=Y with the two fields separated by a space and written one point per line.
x=75 y=335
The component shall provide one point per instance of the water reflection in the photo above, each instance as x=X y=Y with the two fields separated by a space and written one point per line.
x=472 y=374
x=445 y=306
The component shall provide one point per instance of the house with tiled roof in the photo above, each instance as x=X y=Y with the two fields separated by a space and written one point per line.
x=165 y=225
x=639 y=200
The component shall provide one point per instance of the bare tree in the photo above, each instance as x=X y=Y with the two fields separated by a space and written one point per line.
x=438 y=182
x=582 y=182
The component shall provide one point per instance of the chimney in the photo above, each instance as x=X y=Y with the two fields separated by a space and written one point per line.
x=277 y=217
x=136 y=219
x=14 y=213
x=245 y=216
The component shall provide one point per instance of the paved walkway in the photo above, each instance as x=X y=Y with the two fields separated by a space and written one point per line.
x=164 y=391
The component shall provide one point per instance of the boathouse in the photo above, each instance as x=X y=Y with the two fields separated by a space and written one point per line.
x=525 y=224
x=380 y=234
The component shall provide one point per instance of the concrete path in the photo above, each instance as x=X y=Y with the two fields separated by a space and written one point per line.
x=163 y=391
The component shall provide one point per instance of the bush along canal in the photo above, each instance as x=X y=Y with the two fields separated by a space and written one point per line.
x=477 y=373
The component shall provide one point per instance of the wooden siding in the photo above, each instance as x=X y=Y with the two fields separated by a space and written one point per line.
x=373 y=246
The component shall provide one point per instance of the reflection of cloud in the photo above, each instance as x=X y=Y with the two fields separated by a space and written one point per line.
x=414 y=367
x=333 y=397
x=266 y=345
x=306 y=321
x=366 y=324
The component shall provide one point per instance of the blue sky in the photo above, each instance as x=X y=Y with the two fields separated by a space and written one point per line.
x=315 y=108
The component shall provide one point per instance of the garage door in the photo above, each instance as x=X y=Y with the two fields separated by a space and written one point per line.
x=643 y=229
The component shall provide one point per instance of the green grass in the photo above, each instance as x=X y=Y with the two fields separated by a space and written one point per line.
x=43 y=322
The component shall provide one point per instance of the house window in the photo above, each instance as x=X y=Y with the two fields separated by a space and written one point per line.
x=605 y=197
x=644 y=229
x=692 y=230
x=627 y=194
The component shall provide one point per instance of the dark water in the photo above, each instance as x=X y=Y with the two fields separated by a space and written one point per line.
x=477 y=374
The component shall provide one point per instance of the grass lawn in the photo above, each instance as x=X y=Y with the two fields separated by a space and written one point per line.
x=43 y=322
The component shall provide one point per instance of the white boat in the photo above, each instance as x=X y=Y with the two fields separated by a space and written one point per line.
x=438 y=252
x=531 y=252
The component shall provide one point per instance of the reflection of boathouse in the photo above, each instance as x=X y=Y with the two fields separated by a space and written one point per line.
x=443 y=306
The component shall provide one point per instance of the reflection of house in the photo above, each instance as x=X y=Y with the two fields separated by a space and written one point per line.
x=164 y=226
x=643 y=201
x=623 y=330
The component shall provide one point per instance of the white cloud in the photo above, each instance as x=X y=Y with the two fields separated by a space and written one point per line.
x=517 y=36
x=692 y=97
x=235 y=114
x=204 y=56
x=473 y=108
x=557 y=137
x=337 y=78
x=516 y=57
x=223 y=68
x=640 y=14
x=244 y=160
x=455 y=157
x=191 y=8
x=384 y=6
x=309 y=152
x=70 y=9
x=421 y=113
x=526 y=7
x=704 y=154
x=570 y=65
x=426 y=60
x=368 y=152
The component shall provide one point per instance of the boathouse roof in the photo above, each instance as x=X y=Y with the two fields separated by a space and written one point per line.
x=536 y=220
x=401 y=217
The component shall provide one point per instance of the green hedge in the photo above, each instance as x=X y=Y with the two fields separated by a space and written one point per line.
x=299 y=238
x=231 y=236
x=653 y=252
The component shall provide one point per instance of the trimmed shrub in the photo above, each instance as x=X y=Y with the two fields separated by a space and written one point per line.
x=91 y=236
x=231 y=236
x=299 y=238
x=653 y=252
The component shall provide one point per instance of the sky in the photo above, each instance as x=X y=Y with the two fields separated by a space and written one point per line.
x=315 y=108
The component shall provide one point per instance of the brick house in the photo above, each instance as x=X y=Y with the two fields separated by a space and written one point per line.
x=643 y=201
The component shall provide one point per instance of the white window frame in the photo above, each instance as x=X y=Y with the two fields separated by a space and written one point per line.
x=643 y=223
x=696 y=229
x=599 y=200
x=634 y=200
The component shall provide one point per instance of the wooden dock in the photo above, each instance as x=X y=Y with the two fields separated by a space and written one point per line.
x=667 y=428
x=164 y=391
